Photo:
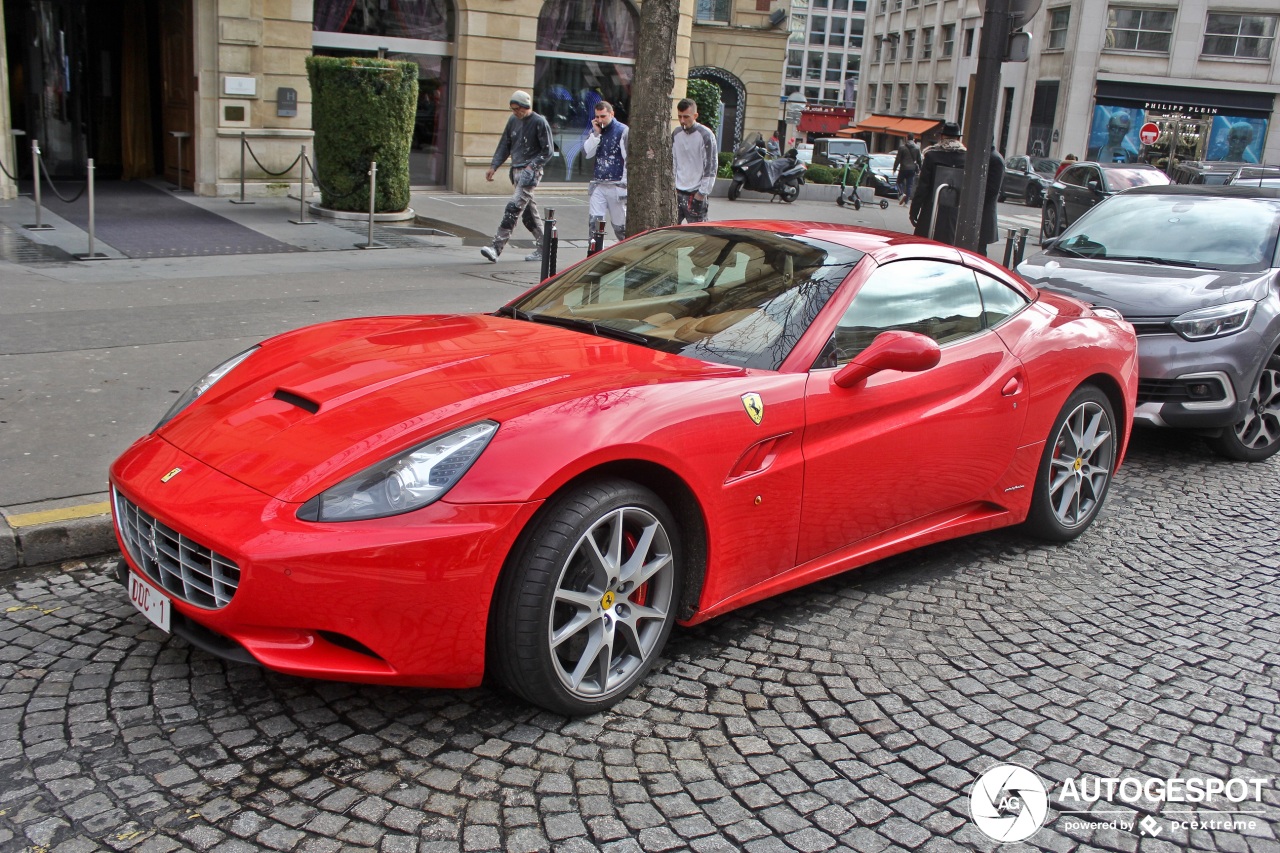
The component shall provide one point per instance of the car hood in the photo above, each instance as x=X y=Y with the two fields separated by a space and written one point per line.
x=320 y=404
x=1141 y=290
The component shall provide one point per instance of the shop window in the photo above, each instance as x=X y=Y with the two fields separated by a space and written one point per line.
x=566 y=88
x=1057 y=36
x=429 y=20
x=1147 y=30
x=1241 y=36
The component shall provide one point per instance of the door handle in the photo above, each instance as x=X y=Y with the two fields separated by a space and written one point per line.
x=1013 y=387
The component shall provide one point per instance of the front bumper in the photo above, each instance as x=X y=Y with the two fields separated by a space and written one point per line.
x=1196 y=384
x=401 y=600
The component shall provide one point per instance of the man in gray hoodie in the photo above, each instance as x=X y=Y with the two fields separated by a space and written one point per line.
x=527 y=141
x=693 y=150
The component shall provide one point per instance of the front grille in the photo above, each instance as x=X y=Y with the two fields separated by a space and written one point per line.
x=1150 y=325
x=177 y=563
x=1178 y=391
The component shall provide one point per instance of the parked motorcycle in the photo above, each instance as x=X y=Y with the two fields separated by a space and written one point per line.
x=780 y=177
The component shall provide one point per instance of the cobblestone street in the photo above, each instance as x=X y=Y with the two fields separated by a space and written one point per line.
x=854 y=714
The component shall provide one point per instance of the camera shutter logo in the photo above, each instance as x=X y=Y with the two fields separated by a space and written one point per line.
x=1008 y=803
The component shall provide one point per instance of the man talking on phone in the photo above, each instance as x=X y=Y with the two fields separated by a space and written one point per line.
x=607 y=192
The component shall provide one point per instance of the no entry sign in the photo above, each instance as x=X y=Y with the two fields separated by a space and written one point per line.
x=1149 y=133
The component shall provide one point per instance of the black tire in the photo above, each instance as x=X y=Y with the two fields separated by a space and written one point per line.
x=1257 y=437
x=884 y=205
x=735 y=190
x=1001 y=197
x=572 y=574
x=1076 y=467
x=1035 y=195
x=840 y=199
x=1050 y=221
x=789 y=193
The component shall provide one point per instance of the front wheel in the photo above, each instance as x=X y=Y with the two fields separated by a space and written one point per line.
x=1257 y=437
x=735 y=190
x=589 y=599
x=884 y=205
x=1076 y=467
x=789 y=193
x=1050 y=221
x=840 y=199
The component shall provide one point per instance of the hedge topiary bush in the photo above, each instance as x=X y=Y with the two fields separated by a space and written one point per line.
x=821 y=175
x=706 y=95
x=362 y=110
x=725 y=169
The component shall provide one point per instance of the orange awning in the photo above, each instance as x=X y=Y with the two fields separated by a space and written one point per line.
x=918 y=126
x=873 y=123
x=894 y=125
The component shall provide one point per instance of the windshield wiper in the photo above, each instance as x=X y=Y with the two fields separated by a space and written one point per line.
x=598 y=329
x=512 y=312
x=1148 y=259
x=1067 y=250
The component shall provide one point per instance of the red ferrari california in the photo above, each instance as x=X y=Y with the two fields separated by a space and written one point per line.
x=693 y=420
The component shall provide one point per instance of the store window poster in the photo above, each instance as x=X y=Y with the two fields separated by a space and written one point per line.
x=1237 y=139
x=1113 y=137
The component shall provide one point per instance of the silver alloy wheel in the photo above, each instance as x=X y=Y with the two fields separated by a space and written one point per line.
x=1261 y=426
x=1083 y=458
x=615 y=593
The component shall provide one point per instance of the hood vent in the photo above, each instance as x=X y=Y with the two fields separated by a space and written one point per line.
x=296 y=400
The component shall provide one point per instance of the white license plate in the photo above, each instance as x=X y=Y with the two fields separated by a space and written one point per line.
x=151 y=602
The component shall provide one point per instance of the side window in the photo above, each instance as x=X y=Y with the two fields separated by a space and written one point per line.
x=999 y=301
x=933 y=298
x=1018 y=164
x=1075 y=176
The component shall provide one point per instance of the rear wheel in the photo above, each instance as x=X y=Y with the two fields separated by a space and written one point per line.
x=1035 y=195
x=735 y=189
x=586 y=605
x=1257 y=437
x=884 y=205
x=1001 y=197
x=789 y=193
x=1050 y=221
x=1076 y=467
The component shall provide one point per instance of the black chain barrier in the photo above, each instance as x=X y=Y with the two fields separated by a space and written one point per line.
x=287 y=169
x=44 y=170
x=6 y=172
x=331 y=193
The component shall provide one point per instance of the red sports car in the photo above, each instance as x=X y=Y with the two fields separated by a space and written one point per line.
x=693 y=420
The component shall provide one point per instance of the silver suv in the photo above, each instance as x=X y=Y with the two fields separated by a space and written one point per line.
x=1196 y=270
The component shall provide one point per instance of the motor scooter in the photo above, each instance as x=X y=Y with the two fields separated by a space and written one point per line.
x=780 y=177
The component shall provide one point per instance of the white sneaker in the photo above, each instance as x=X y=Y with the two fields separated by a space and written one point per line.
x=536 y=256
x=490 y=254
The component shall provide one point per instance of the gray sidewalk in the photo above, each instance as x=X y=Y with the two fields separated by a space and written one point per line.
x=92 y=352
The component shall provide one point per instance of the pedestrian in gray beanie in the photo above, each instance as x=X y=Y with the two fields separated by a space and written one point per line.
x=527 y=141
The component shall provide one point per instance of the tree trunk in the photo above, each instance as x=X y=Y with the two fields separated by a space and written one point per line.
x=651 y=186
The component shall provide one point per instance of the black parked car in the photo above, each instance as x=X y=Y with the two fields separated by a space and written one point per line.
x=1026 y=178
x=1083 y=185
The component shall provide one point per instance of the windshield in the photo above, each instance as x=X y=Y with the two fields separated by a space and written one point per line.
x=1044 y=165
x=1202 y=231
x=883 y=161
x=724 y=295
x=1123 y=179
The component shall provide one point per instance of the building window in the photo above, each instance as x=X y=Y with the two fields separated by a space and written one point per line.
x=888 y=98
x=814 y=71
x=926 y=43
x=818 y=30
x=835 y=73
x=893 y=47
x=940 y=98
x=1058 y=20
x=840 y=5
x=1244 y=36
x=712 y=11
x=922 y=98
x=948 y=40
x=798 y=24
x=909 y=49
x=836 y=38
x=856 y=26
x=861 y=6
x=969 y=34
x=876 y=53
x=903 y=90
x=428 y=20
x=1147 y=30
x=871 y=94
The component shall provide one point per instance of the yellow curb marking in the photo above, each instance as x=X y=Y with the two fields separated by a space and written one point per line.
x=31 y=519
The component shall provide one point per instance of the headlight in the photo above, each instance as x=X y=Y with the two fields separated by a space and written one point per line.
x=405 y=482
x=204 y=385
x=1216 y=322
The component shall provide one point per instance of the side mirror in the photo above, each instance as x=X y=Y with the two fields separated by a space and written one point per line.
x=1095 y=186
x=909 y=352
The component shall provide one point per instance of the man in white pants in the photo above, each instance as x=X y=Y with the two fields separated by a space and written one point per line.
x=607 y=192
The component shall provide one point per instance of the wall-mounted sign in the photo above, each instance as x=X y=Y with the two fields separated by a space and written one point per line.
x=286 y=101
x=240 y=86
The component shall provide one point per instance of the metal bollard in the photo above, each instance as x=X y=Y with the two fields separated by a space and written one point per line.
x=91 y=255
x=373 y=194
x=549 y=238
x=244 y=143
x=35 y=178
x=302 y=192
x=1008 y=248
x=1022 y=246
x=597 y=237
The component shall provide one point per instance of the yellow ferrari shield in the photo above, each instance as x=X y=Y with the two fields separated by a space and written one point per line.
x=754 y=406
x=607 y=600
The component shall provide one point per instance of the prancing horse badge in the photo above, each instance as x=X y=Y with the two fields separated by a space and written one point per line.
x=754 y=406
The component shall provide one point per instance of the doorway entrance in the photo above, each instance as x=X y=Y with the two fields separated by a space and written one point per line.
x=111 y=81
